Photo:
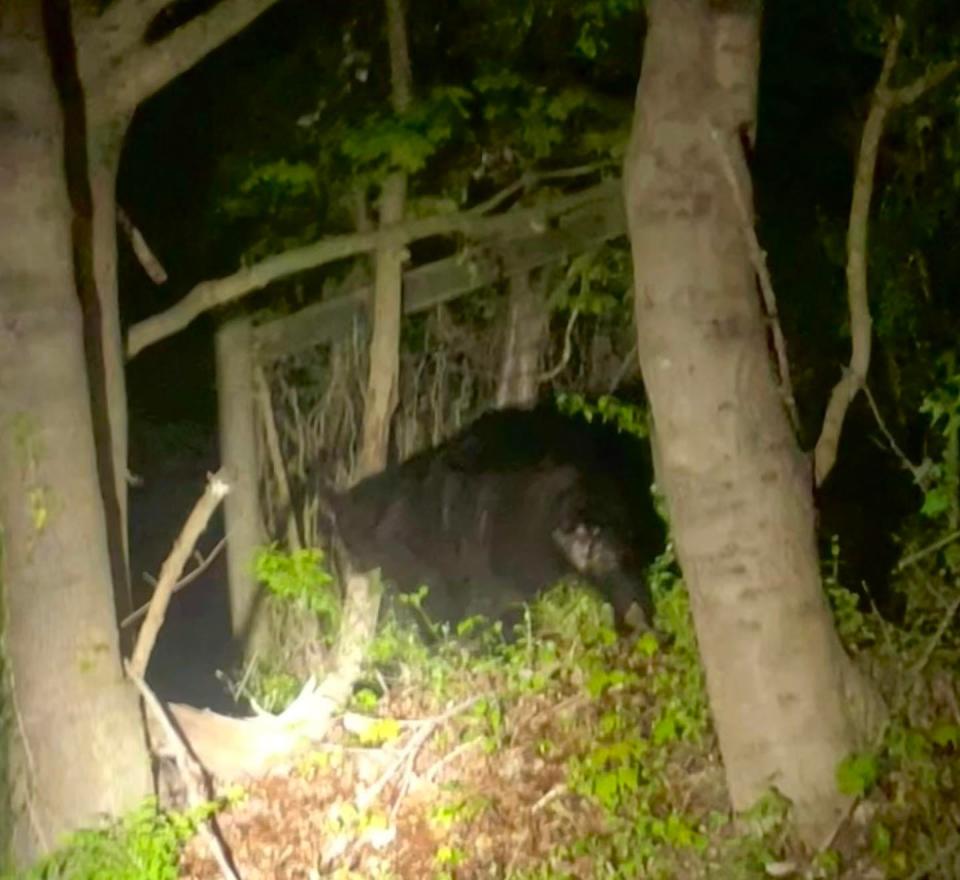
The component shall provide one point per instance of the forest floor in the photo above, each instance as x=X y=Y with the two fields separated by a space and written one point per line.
x=573 y=754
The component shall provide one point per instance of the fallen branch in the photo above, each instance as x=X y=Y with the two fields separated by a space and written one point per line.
x=231 y=749
x=854 y=374
x=338 y=847
x=199 y=792
x=217 y=488
x=185 y=581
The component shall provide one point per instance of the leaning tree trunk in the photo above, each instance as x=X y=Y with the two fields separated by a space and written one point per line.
x=786 y=701
x=77 y=747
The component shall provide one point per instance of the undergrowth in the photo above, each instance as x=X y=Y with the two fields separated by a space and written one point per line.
x=567 y=752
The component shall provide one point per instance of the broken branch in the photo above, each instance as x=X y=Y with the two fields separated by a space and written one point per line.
x=217 y=488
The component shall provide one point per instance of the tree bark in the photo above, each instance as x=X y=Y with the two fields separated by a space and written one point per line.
x=526 y=337
x=120 y=70
x=238 y=455
x=103 y=161
x=787 y=703
x=77 y=748
x=381 y=394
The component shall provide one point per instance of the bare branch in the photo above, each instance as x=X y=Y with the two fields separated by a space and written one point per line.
x=915 y=557
x=185 y=581
x=148 y=260
x=759 y=259
x=931 y=79
x=217 y=488
x=919 y=478
x=145 y=69
x=217 y=292
x=855 y=374
x=269 y=423
x=556 y=370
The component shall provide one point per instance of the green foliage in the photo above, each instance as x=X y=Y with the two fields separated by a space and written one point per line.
x=282 y=179
x=856 y=629
x=6 y=731
x=272 y=689
x=626 y=417
x=942 y=408
x=595 y=19
x=857 y=774
x=383 y=143
x=300 y=577
x=144 y=845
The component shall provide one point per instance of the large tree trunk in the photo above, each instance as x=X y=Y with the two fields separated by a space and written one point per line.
x=77 y=749
x=787 y=703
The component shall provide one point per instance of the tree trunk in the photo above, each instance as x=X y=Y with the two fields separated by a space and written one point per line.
x=78 y=749
x=238 y=454
x=103 y=157
x=786 y=701
x=384 y=369
x=526 y=338
x=381 y=396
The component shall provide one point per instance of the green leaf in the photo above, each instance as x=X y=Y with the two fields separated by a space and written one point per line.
x=857 y=774
x=945 y=734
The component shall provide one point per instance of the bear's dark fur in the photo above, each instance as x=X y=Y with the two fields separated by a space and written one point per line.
x=516 y=501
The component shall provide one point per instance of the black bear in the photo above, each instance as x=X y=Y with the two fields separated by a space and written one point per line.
x=512 y=504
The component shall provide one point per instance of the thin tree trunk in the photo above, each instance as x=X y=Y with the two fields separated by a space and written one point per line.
x=103 y=154
x=526 y=337
x=787 y=703
x=381 y=395
x=238 y=455
x=77 y=746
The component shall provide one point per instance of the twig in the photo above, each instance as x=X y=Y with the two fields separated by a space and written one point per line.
x=294 y=539
x=450 y=757
x=629 y=361
x=557 y=791
x=412 y=749
x=529 y=180
x=926 y=551
x=759 y=259
x=148 y=260
x=217 y=488
x=915 y=472
x=194 y=778
x=406 y=757
x=185 y=581
x=935 y=639
x=567 y=350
